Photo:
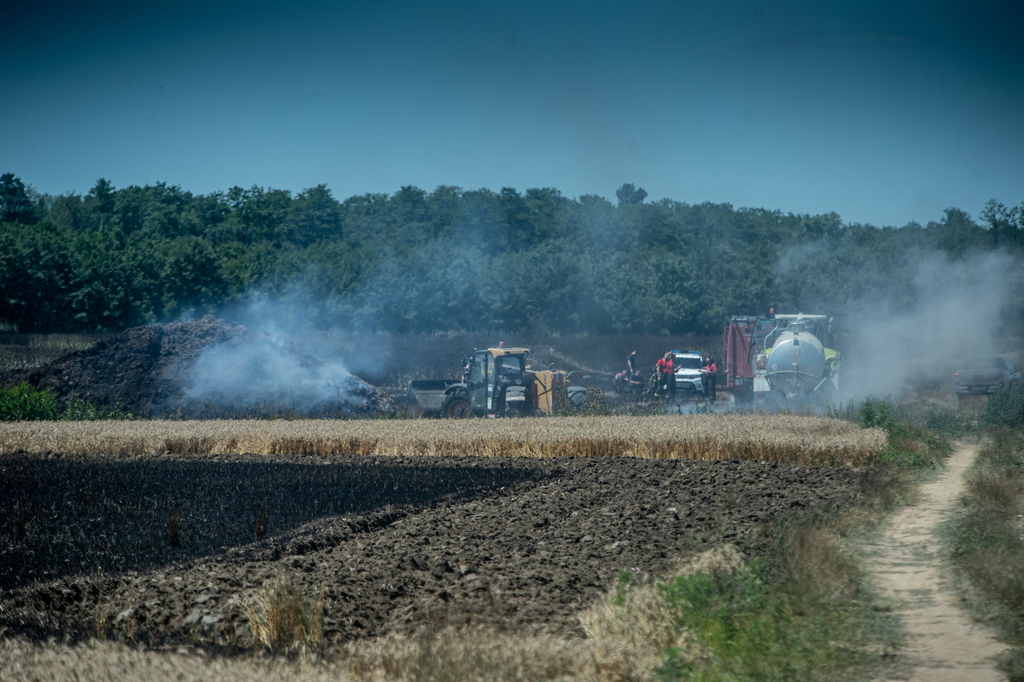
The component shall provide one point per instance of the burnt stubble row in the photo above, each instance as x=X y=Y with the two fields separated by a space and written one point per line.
x=167 y=548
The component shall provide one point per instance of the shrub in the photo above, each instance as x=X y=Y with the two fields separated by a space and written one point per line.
x=875 y=413
x=595 y=404
x=909 y=444
x=25 y=403
x=79 y=410
x=1006 y=407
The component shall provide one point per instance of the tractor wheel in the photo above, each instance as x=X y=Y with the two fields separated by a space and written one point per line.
x=577 y=399
x=457 y=407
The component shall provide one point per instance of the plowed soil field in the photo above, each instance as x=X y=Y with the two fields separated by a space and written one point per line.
x=164 y=549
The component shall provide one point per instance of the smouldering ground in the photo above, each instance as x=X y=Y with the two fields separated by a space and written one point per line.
x=164 y=548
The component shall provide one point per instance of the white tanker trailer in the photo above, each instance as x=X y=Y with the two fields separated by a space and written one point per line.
x=781 y=356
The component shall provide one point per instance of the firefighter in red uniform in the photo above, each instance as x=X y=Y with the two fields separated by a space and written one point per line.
x=666 y=374
x=711 y=372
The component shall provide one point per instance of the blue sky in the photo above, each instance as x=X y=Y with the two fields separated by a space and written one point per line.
x=882 y=112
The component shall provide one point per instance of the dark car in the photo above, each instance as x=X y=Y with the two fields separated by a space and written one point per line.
x=981 y=376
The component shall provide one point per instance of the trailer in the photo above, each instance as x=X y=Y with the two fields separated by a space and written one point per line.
x=779 y=357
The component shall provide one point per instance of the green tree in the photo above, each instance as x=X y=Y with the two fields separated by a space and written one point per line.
x=1004 y=224
x=15 y=204
x=190 y=277
x=629 y=195
x=444 y=204
x=260 y=213
x=312 y=216
x=36 y=276
x=100 y=199
x=956 y=233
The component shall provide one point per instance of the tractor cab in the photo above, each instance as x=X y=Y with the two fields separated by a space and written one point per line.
x=496 y=379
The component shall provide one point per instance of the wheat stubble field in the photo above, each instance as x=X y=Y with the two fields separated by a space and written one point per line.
x=156 y=533
x=795 y=439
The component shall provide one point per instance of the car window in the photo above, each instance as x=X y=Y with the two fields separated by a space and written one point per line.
x=686 y=362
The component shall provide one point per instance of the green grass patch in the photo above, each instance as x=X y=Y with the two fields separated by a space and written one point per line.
x=80 y=410
x=936 y=410
x=26 y=403
x=745 y=628
x=912 y=445
x=803 y=612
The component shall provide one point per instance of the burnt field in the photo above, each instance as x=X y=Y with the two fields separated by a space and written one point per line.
x=165 y=549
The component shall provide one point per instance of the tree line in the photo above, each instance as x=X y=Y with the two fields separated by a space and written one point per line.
x=451 y=259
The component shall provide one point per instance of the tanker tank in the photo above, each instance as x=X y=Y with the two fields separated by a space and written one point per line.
x=797 y=364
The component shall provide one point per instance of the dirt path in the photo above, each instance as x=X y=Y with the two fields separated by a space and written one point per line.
x=943 y=641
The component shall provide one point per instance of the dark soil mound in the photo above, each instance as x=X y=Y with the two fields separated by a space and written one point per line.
x=151 y=371
x=395 y=542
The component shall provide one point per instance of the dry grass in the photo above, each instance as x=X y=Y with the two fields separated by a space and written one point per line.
x=23 y=660
x=795 y=439
x=626 y=633
x=451 y=655
x=28 y=351
x=630 y=628
x=284 y=619
x=819 y=569
x=987 y=544
x=473 y=653
x=997 y=489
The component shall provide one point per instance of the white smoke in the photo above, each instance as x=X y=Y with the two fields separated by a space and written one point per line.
x=278 y=368
x=958 y=308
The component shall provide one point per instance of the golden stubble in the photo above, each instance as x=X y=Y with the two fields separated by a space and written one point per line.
x=791 y=439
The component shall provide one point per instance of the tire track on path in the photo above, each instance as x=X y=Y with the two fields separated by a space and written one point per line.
x=943 y=642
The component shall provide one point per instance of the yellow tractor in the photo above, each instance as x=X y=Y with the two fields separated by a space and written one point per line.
x=496 y=382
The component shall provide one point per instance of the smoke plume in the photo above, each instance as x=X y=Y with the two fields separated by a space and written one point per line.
x=277 y=369
x=954 y=309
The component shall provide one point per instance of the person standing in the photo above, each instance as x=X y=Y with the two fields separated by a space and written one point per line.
x=631 y=368
x=711 y=372
x=666 y=373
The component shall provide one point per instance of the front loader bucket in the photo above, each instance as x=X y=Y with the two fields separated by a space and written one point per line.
x=426 y=397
